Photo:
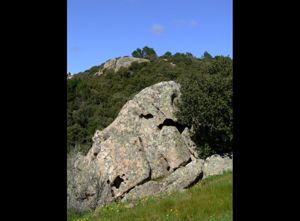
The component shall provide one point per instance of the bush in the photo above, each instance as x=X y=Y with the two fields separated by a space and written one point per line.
x=206 y=106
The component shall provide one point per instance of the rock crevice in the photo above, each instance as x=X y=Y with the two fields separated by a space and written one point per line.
x=170 y=122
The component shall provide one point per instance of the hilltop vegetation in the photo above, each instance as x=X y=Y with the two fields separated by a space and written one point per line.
x=206 y=104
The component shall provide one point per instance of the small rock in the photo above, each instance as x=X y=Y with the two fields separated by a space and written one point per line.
x=130 y=205
x=215 y=165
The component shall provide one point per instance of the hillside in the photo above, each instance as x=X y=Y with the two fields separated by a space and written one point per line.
x=149 y=126
x=94 y=101
x=208 y=200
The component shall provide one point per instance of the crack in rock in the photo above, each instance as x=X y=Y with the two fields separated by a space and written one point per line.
x=170 y=122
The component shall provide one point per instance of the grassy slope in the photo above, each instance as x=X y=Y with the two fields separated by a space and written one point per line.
x=209 y=200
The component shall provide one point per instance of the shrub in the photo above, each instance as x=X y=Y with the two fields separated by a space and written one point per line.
x=206 y=106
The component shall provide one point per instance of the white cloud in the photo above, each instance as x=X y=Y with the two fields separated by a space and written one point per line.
x=157 y=29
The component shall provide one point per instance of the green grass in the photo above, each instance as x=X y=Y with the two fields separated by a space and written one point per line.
x=208 y=200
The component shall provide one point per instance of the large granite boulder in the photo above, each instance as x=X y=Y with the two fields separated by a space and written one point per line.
x=143 y=143
x=144 y=151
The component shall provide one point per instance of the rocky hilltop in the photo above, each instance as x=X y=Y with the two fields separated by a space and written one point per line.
x=117 y=63
x=144 y=151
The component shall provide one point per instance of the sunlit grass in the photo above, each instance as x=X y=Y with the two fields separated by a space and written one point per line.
x=209 y=200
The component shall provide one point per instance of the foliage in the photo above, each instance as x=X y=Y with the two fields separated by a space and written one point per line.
x=167 y=55
x=138 y=53
x=94 y=101
x=206 y=105
x=208 y=200
x=146 y=52
x=207 y=55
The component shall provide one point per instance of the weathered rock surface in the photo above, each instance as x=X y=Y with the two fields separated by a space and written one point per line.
x=85 y=186
x=116 y=63
x=183 y=177
x=147 y=189
x=144 y=144
x=215 y=165
x=180 y=179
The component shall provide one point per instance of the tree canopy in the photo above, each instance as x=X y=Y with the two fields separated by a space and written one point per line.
x=146 y=52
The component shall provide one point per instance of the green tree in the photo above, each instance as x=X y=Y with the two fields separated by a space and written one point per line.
x=221 y=65
x=207 y=55
x=190 y=55
x=149 y=53
x=167 y=55
x=206 y=105
x=138 y=53
x=146 y=52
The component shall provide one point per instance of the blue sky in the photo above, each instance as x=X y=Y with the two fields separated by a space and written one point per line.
x=99 y=30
